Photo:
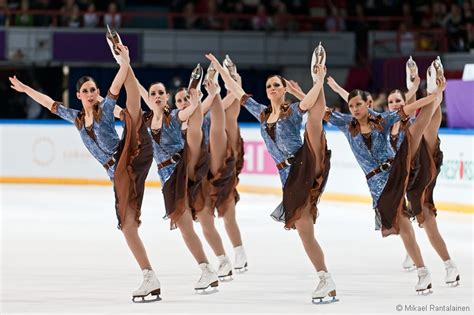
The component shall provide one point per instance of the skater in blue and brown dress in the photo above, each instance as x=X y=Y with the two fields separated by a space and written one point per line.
x=426 y=164
x=126 y=161
x=220 y=185
x=386 y=174
x=182 y=160
x=302 y=186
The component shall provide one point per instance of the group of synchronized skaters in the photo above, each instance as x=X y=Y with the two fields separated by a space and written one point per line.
x=199 y=153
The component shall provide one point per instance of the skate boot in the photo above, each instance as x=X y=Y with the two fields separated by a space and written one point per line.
x=231 y=67
x=150 y=286
x=240 y=264
x=208 y=278
x=411 y=72
x=430 y=79
x=423 y=286
x=318 y=58
x=452 y=274
x=195 y=80
x=408 y=264
x=325 y=288
x=224 y=272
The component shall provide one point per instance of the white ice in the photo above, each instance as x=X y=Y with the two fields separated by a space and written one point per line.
x=62 y=254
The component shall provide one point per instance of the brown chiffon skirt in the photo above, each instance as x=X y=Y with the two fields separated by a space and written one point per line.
x=423 y=176
x=303 y=188
x=131 y=169
x=220 y=188
x=391 y=202
x=180 y=192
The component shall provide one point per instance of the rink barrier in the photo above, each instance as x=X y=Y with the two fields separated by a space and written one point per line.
x=327 y=196
x=53 y=153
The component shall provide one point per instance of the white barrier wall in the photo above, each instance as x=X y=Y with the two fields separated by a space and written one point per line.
x=51 y=152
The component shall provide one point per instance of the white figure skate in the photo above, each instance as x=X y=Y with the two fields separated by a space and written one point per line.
x=318 y=58
x=325 y=288
x=208 y=279
x=240 y=263
x=150 y=286
x=411 y=72
x=224 y=272
x=452 y=274
x=423 y=286
x=408 y=264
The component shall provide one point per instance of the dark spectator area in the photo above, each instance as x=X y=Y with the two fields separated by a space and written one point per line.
x=410 y=18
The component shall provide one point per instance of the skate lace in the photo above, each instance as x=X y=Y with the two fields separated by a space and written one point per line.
x=321 y=284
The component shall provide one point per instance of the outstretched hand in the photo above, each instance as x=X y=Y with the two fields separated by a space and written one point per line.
x=123 y=57
x=17 y=85
x=293 y=87
x=193 y=97
x=211 y=87
x=333 y=84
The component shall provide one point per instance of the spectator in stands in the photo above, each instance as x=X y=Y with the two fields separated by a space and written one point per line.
x=23 y=18
x=239 y=23
x=262 y=22
x=4 y=16
x=406 y=40
x=113 y=18
x=455 y=27
x=74 y=20
x=438 y=13
x=42 y=20
x=211 y=22
x=334 y=22
x=91 y=19
x=65 y=11
x=190 y=20
x=282 y=19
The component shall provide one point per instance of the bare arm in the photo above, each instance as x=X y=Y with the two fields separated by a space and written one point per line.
x=143 y=93
x=411 y=108
x=338 y=89
x=233 y=86
x=294 y=89
x=39 y=97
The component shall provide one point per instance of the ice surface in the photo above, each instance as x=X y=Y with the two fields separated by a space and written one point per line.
x=62 y=254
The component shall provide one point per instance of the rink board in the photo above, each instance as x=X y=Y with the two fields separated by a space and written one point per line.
x=53 y=153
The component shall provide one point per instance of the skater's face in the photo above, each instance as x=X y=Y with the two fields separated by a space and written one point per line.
x=157 y=95
x=370 y=101
x=180 y=100
x=275 y=88
x=395 y=101
x=358 y=107
x=88 y=93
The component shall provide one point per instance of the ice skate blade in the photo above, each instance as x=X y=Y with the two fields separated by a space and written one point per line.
x=155 y=294
x=319 y=301
x=241 y=269
x=212 y=285
x=455 y=283
x=426 y=291
x=206 y=292
x=227 y=278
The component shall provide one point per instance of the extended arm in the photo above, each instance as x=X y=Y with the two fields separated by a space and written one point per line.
x=338 y=89
x=233 y=86
x=39 y=97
